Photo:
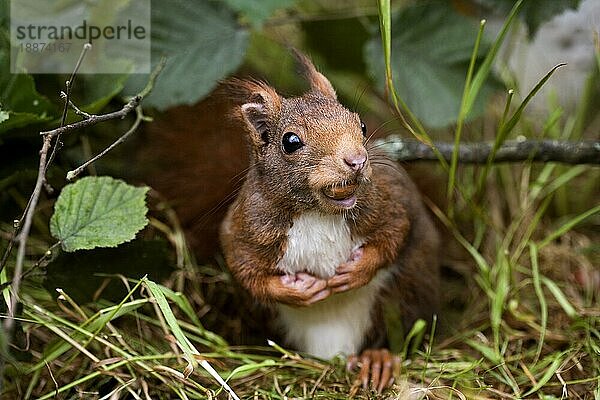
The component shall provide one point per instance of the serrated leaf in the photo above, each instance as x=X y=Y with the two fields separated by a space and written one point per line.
x=431 y=50
x=202 y=42
x=98 y=212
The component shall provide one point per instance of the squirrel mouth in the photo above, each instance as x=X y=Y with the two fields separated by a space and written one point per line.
x=341 y=194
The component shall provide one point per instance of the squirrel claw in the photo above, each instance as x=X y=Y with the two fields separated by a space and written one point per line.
x=377 y=367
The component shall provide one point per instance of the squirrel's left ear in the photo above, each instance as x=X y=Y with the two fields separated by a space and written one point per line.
x=317 y=80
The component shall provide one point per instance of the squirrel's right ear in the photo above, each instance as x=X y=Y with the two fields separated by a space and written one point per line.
x=260 y=104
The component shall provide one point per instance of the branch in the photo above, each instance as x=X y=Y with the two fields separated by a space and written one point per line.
x=584 y=152
x=139 y=117
x=67 y=96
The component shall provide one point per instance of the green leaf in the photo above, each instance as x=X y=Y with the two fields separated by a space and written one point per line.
x=430 y=54
x=202 y=42
x=257 y=11
x=20 y=103
x=98 y=212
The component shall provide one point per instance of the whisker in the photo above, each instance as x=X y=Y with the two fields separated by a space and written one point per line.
x=357 y=100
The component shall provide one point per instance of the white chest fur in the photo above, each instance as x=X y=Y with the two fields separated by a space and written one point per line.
x=317 y=244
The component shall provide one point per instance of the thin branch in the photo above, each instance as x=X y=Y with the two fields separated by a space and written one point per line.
x=76 y=109
x=42 y=260
x=583 y=152
x=24 y=235
x=69 y=86
x=94 y=119
x=11 y=242
x=139 y=118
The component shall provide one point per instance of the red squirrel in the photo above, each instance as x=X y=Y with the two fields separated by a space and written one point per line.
x=324 y=229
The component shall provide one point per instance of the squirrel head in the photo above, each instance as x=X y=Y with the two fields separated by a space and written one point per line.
x=307 y=152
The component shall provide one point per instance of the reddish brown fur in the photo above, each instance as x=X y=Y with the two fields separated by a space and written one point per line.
x=388 y=213
x=195 y=157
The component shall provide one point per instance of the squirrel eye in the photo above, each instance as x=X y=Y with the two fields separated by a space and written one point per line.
x=291 y=142
x=363 y=127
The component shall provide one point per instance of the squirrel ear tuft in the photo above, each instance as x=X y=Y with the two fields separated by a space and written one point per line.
x=317 y=80
x=260 y=106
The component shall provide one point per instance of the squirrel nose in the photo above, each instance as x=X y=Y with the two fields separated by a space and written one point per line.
x=356 y=161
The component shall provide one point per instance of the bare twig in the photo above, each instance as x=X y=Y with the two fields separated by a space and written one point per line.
x=42 y=260
x=76 y=109
x=24 y=235
x=69 y=86
x=11 y=242
x=139 y=118
x=584 y=152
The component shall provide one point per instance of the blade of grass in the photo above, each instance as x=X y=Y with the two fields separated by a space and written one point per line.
x=500 y=294
x=54 y=351
x=385 y=27
x=531 y=227
x=569 y=225
x=184 y=344
x=429 y=346
x=184 y=304
x=114 y=312
x=415 y=335
x=506 y=128
x=560 y=297
x=486 y=66
x=484 y=71
x=487 y=352
x=6 y=290
x=462 y=115
x=537 y=285
x=556 y=361
x=248 y=369
x=484 y=268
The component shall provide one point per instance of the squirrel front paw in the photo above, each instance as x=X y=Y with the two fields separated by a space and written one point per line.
x=352 y=274
x=299 y=289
